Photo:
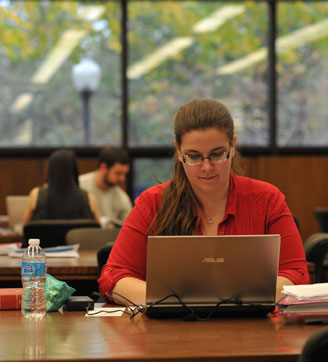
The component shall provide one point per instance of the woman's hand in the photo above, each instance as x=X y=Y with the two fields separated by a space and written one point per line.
x=281 y=281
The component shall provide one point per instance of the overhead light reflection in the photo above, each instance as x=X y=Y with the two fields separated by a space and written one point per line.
x=244 y=62
x=218 y=18
x=24 y=135
x=176 y=45
x=91 y=12
x=291 y=41
x=170 y=49
x=22 y=101
x=58 y=55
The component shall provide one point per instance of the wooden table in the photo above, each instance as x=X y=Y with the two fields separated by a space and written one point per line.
x=71 y=336
x=81 y=273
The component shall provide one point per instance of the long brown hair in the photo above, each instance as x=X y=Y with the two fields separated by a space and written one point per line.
x=65 y=200
x=176 y=215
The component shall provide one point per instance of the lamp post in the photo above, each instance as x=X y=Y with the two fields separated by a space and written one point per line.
x=86 y=77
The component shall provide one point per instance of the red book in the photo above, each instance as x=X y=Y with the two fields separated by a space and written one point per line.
x=11 y=298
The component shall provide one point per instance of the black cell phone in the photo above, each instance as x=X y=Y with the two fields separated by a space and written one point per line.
x=79 y=302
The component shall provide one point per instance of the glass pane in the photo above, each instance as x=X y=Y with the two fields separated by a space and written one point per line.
x=40 y=41
x=147 y=171
x=180 y=50
x=302 y=67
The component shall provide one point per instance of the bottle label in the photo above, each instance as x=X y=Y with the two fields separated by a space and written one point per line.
x=32 y=269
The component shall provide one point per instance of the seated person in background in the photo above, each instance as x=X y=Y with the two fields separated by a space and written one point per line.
x=205 y=196
x=60 y=197
x=114 y=203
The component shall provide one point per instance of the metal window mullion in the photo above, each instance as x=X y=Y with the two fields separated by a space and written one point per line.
x=272 y=77
x=124 y=80
x=125 y=94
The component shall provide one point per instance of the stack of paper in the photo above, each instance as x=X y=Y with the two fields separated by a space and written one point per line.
x=305 y=300
x=307 y=291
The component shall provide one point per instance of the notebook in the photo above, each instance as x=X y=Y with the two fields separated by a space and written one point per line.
x=16 y=207
x=223 y=275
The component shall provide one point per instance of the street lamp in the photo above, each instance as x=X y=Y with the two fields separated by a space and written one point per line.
x=86 y=77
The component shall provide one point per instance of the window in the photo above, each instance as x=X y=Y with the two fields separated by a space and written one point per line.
x=266 y=60
x=149 y=172
x=302 y=73
x=40 y=42
x=190 y=49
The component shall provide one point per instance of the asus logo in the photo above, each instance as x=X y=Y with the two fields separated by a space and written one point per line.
x=213 y=260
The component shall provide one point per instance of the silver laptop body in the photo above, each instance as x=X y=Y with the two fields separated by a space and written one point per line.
x=231 y=272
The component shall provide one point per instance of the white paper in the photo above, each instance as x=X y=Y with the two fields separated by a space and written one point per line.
x=307 y=291
x=63 y=251
x=5 y=249
x=106 y=312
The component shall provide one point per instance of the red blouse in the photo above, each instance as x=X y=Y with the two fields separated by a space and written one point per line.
x=253 y=207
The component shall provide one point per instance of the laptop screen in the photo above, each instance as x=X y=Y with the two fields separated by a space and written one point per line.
x=204 y=270
x=16 y=207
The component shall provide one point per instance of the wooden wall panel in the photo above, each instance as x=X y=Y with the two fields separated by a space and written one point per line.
x=301 y=178
x=19 y=176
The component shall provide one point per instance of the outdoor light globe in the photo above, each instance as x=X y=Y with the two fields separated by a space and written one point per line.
x=86 y=76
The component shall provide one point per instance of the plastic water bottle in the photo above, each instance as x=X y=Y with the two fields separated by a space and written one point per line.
x=34 y=281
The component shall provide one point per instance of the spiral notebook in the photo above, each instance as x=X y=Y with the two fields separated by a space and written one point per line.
x=222 y=275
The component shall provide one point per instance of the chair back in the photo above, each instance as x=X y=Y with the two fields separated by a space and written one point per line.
x=321 y=215
x=91 y=238
x=103 y=253
x=102 y=256
x=316 y=251
x=316 y=347
x=53 y=232
x=297 y=223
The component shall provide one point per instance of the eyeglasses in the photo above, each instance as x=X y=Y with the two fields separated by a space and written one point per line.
x=215 y=157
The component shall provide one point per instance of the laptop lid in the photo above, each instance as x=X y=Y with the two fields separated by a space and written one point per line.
x=206 y=270
x=16 y=207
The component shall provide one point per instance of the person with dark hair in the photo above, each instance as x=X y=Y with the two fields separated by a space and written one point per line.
x=206 y=196
x=61 y=197
x=114 y=203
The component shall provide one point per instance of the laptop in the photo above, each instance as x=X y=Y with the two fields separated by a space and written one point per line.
x=16 y=207
x=228 y=275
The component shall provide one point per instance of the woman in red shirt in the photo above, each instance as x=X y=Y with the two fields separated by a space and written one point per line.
x=205 y=196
